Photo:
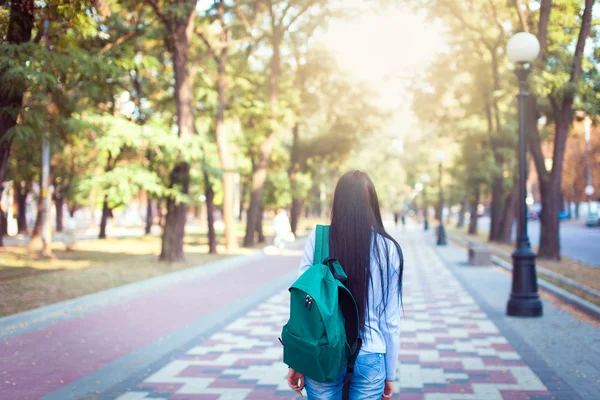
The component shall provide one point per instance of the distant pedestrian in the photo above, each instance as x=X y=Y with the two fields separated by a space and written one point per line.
x=281 y=224
x=396 y=219
x=403 y=222
x=362 y=257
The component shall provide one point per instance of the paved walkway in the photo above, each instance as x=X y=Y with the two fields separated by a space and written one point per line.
x=211 y=333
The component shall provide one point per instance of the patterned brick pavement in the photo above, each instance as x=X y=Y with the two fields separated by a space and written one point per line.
x=449 y=349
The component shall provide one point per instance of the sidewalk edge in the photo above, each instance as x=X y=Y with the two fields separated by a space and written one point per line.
x=553 y=381
x=120 y=372
x=41 y=317
x=576 y=301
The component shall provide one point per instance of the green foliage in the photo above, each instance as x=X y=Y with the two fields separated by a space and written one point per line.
x=277 y=191
x=122 y=184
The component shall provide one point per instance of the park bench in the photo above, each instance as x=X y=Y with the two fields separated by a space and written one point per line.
x=479 y=254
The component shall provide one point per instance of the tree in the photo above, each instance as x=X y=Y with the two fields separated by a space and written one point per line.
x=177 y=20
x=481 y=24
x=228 y=36
x=459 y=102
x=12 y=83
x=556 y=79
x=41 y=79
x=282 y=15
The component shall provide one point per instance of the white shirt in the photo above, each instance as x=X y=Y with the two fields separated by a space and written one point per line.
x=281 y=224
x=382 y=332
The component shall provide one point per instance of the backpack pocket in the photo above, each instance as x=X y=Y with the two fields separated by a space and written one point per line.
x=333 y=358
x=302 y=355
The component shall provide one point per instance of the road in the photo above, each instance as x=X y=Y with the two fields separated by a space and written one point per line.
x=577 y=241
x=211 y=333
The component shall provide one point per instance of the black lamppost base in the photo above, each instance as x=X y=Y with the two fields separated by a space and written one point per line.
x=524 y=299
x=524 y=307
x=441 y=240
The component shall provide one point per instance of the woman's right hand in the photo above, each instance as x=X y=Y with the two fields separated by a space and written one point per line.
x=295 y=381
x=388 y=390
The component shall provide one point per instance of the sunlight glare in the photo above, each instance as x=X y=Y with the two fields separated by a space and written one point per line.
x=389 y=44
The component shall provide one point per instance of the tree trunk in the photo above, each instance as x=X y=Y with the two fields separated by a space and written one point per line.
x=461 y=214
x=550 y=184
x=474 y=214
x=260 y=175
x=254 y=217
x=106 y=213
x=21 y=193
x=243 y=199
x=498 y=183
x=228 y=218
x=549 y=235
x=104 y=218
x=59 y=202
x=37 y=227
x=3 y=224
x=293 y=171
x=149 y=216
x=295 y=212
x=20 y=24
x=174 y=229
x=210 y=214
x=493 y=117
x=174 y=225
x=259 y=226
x=552 y=193
x=222 y=143
x=496 y=211
x=161 y=217
x=509 y=215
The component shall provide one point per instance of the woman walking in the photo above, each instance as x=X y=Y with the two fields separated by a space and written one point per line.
x=373 y=263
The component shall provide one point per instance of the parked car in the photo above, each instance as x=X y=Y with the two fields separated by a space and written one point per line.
x=534 y=211
x=593 y=218
x=564 y=214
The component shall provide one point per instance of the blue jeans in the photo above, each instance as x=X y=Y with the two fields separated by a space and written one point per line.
x=367 y=382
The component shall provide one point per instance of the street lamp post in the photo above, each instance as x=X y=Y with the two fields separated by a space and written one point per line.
x=524 y=300
x=418 y=189
x=589 y=189
x=425 y=179
x=592 y=217
x=440 y=157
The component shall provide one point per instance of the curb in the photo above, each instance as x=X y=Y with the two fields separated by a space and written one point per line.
x=582 y=304
x=576 y=301
x=37 y=318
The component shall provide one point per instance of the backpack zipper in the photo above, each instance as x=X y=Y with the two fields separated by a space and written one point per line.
x=308 y=302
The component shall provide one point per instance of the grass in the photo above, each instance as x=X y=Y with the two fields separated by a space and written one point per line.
x=575 y=270
x=28 y=281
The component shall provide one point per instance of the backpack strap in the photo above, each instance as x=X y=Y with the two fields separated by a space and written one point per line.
x=350 y=369
x=321 y=256
x=321 y=244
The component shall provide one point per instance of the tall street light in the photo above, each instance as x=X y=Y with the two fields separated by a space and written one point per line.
x=589 y=189
x=425 y=179
x=440 y=157
x=418 y=189
x=524 y=300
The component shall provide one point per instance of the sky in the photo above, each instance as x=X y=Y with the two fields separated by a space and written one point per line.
x=388 y=48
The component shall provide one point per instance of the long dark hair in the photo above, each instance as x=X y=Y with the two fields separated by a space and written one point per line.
x=355 y=237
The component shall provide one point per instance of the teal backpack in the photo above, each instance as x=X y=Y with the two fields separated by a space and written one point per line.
x=321 y=337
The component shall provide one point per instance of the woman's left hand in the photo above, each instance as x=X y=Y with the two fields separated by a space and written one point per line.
x=295 y=381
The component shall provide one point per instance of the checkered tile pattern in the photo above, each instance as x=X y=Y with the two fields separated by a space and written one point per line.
x=449 y=349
